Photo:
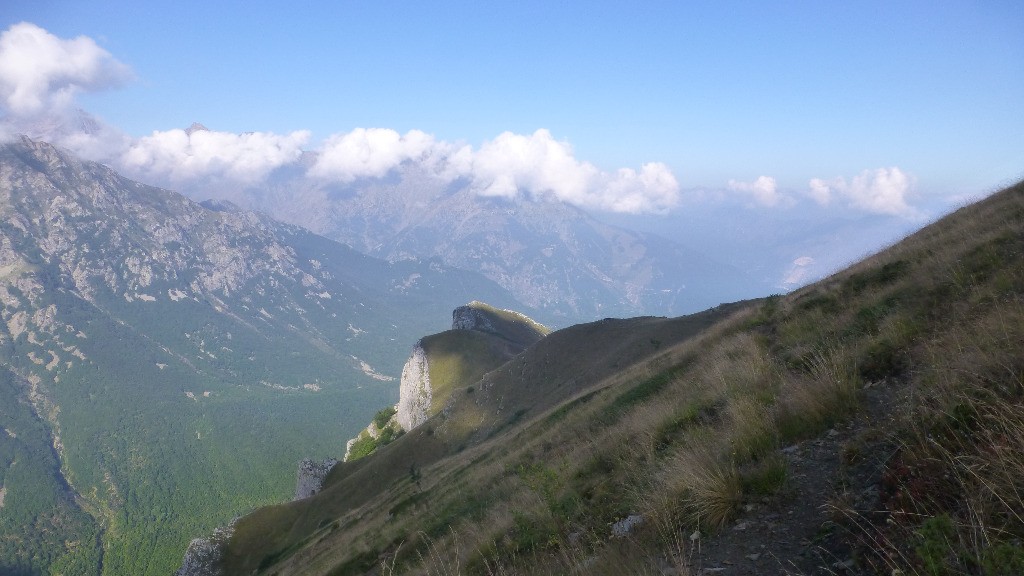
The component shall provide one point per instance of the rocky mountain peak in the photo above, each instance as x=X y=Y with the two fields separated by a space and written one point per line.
x=196 y=127
x=506 y=324
x=472 y=317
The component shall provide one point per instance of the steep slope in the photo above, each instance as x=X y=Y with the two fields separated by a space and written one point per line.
x=170 y=354
x=562 y=365
x=864 y=424
x=551 y=256
x=481 y=339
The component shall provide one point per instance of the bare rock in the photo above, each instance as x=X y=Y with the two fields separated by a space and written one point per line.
x=311 y=477
x=414 y=393
x=204 y=555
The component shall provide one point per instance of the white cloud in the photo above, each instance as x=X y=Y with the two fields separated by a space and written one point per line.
x=373 y=152
x=798 y=273
x=509 y=166
x=763 y=190
x=512 y=165
x=879 y=191
x=820 y=191
x=540 y=166
x=40 y=72
x=179 y=156
x=537 y=163
x=653 y=189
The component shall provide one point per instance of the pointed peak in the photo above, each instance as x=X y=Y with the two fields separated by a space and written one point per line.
x=196 y=127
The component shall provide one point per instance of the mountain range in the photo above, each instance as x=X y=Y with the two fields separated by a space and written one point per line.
x=165 y=364
x=553 y=257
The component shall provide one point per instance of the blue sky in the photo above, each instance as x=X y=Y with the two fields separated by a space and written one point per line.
x=715 y=91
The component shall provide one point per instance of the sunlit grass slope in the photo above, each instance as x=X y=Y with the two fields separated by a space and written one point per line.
x=915 y=352
x=456 y=359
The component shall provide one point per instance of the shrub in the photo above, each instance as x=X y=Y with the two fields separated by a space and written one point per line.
x=765 y=477
x=935 y=544
x=383 y=416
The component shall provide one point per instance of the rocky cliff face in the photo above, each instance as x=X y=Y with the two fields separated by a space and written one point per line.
x=311 y=477
x=203 y=556
x=508 y=333
x=139 y=243
x=415 y=392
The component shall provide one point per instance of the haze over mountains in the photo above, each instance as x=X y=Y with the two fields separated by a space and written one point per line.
x=552 y=256
x=554 y=230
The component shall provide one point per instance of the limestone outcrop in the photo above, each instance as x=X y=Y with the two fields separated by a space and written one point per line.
x=415 y=393
x=471 y=317
x=311 y=477
x=203 y=556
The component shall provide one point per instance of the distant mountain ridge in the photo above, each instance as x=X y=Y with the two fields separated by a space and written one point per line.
x=552 y=256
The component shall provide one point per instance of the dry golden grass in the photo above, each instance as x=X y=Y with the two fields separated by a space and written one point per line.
x=703 y=482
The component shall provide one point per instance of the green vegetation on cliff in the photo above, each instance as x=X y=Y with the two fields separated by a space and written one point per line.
x=46 y=529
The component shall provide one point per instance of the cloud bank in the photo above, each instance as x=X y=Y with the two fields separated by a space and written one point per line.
x=374 y=152
x=763 y=190
x=540 y=166
x=879 y=191
x=40 y=72
x=533 y=166
x=40 y=75
x=184 y=156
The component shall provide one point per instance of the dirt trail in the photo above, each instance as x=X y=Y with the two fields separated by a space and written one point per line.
x=800 y=530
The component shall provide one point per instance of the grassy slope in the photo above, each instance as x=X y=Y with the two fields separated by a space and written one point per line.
x=915 y=350
x=476 y=415
x=458 y=358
